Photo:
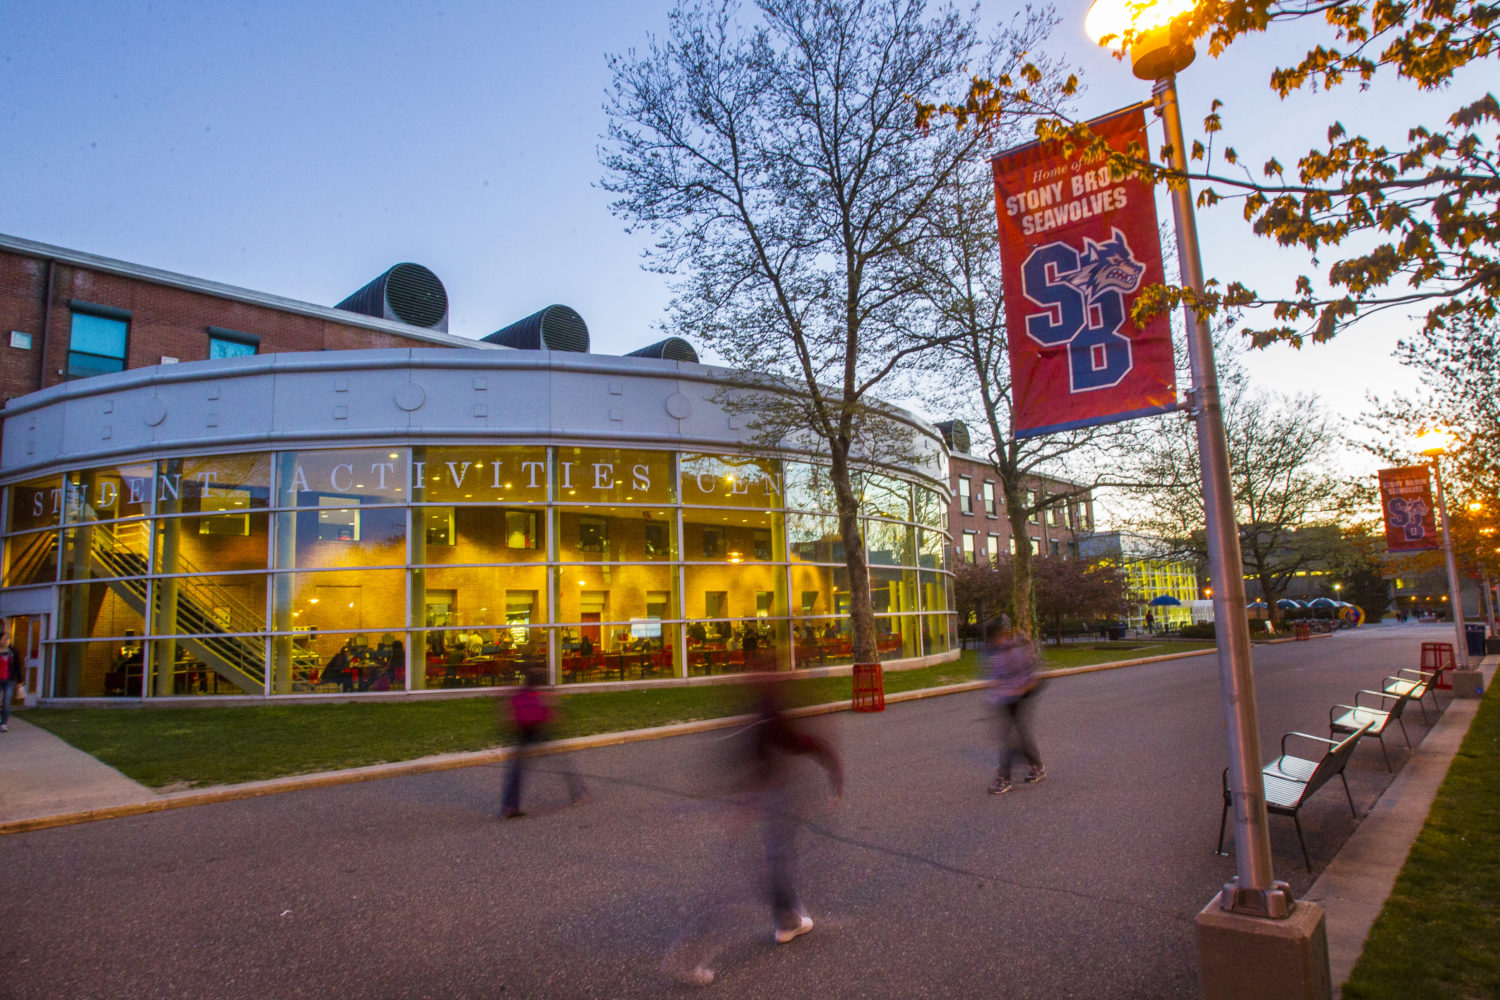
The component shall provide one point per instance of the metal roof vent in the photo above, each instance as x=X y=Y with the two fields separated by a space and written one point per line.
x=671 y=349
x=408 y=293
x=956 y=434
x=555 y=328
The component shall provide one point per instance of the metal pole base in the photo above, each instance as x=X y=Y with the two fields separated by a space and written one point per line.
x=1275 y=903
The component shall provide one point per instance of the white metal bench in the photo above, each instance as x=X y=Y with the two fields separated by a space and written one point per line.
x=1418 y=683
x=1289 y=781
x=1348 y=718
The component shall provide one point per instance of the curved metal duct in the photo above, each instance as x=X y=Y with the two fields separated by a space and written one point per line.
x=956 y=434
x=555 y=328
x=671 y=349
x=408 y=293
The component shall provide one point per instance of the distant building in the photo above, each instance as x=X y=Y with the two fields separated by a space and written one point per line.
x=1151 y=571
x=976 y=512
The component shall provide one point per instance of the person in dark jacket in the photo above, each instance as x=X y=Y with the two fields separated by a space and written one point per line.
x=530 y=713
x=1010 y=664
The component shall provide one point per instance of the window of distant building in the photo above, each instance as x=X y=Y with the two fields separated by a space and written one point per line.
x=224 y=343
x=1056 y=547
x=968 y=546
x=965 y=495
x=989 y=499
x=98 y=340
x=1031 y=505
x=992 y=548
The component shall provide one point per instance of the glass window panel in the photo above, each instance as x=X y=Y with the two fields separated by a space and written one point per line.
x=935 y=592
x=480 y=535
x=106 y=494
x=731 y=536
x=341 y=537
x=819 y=590
x=218 y=347
x=110 y=669
x=106 y=550
x=209 y=605
x=101 y=335
x=616 y=605
x=353 y=475
x=885 y=496
x=484 y=599
x=814 y=538
x=459 y=658
x=479 y=474
x=612 y=475
x=930 y=545
x=754 y=644
x=890 y=544
x=931 y=511
x=730 y=481
x=36 y=503
x=647 y=653
x=30 y=558
x=101 y=610
x=808 y=487
x=217 y=483
x=366 y=601
x=735 y=592
x=897 y=637
x=823 y=642
x=893 y=590
x=615 y=534
x=215 y=542
x=937 y=637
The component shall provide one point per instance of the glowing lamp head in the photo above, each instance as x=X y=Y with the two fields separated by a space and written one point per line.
x=1157 y=50
x=1434 y=442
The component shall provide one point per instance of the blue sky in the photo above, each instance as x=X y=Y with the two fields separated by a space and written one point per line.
x=301 y=149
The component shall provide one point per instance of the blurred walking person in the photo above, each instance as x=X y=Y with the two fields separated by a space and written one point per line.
x=1011 y=665
x=531 y=713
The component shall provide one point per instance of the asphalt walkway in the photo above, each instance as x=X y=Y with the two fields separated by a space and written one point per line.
x=43 y=781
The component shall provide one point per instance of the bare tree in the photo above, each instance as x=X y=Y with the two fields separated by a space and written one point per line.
x=1287 y=503
x=772 y=154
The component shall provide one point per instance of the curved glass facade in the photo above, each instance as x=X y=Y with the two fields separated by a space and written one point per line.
x=376 y=568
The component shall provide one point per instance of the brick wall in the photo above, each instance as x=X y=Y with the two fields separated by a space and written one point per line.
x=165 y=321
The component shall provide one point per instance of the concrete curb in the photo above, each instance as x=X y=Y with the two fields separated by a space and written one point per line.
x=446 y=762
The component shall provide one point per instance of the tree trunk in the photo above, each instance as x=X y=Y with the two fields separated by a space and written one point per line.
x=1021 y=605
x=861 y=609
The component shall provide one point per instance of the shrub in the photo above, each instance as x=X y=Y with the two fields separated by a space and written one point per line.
x=1202 y=630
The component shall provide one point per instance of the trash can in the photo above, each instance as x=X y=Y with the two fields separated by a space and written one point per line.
x=1474 y=634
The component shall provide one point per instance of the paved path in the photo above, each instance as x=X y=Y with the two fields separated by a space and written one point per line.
x=1084 y=886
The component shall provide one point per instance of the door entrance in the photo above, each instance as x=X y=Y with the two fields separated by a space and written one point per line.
x=28 y=633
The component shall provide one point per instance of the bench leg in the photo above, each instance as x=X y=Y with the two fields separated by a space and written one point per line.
x=1423 y=706
x=1387 y=756
x=1345 y=780
x=1402 y=724
x=1298 y=823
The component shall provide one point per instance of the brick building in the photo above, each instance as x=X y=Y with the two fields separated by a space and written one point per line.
x=977 y=517
x=66 y=315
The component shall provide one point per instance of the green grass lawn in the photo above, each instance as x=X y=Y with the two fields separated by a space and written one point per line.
x=224 y=744
x=1438 y=933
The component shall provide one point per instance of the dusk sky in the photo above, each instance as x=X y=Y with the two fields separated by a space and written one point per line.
x=301 y=149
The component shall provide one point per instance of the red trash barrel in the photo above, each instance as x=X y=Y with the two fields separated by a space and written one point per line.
x=869 y=688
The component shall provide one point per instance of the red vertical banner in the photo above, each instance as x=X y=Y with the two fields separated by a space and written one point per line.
x=1076 y=248
x=1406 y=504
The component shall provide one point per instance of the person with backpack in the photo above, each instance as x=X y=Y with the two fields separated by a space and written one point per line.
x=1011 y=663
x=530 y=714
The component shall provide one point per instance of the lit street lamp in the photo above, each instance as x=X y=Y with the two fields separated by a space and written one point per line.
x=1158 y=51
x=1434 y=444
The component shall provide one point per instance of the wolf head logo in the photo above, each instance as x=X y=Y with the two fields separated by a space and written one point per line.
x=1107 y=266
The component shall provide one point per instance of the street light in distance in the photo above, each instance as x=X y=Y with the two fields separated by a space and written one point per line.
x=1434 y=443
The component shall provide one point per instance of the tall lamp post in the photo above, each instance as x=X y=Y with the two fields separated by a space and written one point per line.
x=1254 y=940
x=1434 y=444
x=1158 y=52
